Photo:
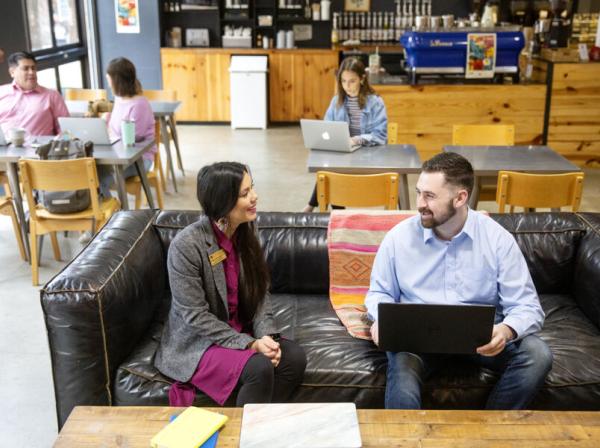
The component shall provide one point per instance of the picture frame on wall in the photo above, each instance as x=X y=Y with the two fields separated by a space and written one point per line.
x=357 y=5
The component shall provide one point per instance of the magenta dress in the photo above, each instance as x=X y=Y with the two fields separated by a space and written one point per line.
x=219 y=369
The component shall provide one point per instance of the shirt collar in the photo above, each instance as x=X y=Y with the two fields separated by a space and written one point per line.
x=38 y=88
x=468 y=228
x=224 y=243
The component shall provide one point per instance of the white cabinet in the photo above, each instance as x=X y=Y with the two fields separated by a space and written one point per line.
x=248 y=77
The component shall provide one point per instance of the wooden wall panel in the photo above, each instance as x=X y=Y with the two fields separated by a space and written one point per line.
x=319 y=83
x=216 y=88
x=180 y=71
x=285 y=86
x=425 y=114
x=301 y=84
x=574 y=124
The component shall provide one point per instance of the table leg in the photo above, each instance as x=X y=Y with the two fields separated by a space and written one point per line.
x=166 y=142
x=13 y=180
x=474 y=199
x=120 y=179
x=139 y=165
x=171 y=123
x=403 y=196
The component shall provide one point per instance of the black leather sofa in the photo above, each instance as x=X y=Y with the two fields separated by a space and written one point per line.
x=104 y=314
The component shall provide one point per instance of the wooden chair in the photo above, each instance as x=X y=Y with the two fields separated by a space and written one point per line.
x=85 y=94
x=351 y=190
x=7 y=208
x=539 y=190
x=62 y=175
x=484 y=135
x=155 y=177
x=392 y=131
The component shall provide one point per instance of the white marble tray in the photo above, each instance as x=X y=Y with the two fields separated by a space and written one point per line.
x=287 y=425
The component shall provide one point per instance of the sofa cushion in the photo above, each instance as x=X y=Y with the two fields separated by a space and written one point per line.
x=574 y=382
x=550 y=243
x=342 y=368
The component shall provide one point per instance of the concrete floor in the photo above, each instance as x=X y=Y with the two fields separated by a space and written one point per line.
x=277 y=159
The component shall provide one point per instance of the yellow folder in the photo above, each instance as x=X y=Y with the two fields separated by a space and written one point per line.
x=189 y=430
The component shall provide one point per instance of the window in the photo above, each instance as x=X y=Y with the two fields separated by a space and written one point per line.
x=64 y=16
x=47 y=78
x=57 y=41
x=70 y=75
x=38 y=16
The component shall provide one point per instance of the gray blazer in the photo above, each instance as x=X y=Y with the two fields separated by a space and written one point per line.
x=199 y=312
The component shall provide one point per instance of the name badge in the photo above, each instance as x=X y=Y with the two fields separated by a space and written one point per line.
x=217 y=257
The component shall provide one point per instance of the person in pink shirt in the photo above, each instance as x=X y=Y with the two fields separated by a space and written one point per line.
x=25 y=104
x=129 y=104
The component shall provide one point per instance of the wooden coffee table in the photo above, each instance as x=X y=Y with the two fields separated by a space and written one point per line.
x=133 y=427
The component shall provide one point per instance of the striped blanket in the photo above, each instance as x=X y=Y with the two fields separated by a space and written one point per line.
x=353 y=238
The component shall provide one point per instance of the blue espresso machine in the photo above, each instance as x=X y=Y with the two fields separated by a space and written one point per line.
x=433 y=52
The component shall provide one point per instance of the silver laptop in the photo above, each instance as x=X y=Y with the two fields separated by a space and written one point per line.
x=3 y=141
x=328 y=135
x=92 y=129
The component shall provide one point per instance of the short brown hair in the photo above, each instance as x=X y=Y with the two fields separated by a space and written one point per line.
x=456 y=169
x=354 y=65
x=123 y=77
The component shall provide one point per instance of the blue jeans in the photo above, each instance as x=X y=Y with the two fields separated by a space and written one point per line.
x=523 y=366
x=106 y=179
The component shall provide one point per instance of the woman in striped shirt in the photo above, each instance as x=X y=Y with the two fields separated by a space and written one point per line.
x=357 y=104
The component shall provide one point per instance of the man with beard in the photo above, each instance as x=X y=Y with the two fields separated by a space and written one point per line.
x=449 y=254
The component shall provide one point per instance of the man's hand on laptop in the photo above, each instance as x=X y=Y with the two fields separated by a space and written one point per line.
x=375 y=333
x=501 y=334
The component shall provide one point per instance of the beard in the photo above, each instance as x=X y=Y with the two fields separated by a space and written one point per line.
x=431 y=221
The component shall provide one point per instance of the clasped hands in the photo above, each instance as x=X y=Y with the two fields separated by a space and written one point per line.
x=268 y=347
x=501 y=334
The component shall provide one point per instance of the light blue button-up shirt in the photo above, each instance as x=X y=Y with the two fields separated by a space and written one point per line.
x=482 y=265
x=373 y=122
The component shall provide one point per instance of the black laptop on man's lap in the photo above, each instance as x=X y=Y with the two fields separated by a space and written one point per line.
x=427 y=328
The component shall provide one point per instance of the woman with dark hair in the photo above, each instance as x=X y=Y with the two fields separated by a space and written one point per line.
x=357 y=104
x=220 y=333
x=129 y=105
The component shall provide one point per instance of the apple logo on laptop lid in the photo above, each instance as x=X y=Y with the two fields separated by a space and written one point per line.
x=325 y=135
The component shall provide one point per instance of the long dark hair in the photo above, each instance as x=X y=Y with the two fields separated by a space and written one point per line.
x=218 y=193
x=124 y=79
x=354 y=65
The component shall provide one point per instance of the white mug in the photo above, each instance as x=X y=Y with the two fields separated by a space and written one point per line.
x=17 y=136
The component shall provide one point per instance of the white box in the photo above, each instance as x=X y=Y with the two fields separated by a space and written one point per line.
x=237 y=41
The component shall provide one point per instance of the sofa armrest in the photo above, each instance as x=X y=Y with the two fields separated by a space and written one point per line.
x=586 y=280
x=99 y=306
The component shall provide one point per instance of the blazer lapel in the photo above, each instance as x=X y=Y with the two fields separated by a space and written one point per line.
x=218 y=271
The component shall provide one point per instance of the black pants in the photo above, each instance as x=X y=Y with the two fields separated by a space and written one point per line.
x=313 y=202
x=261 y=382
